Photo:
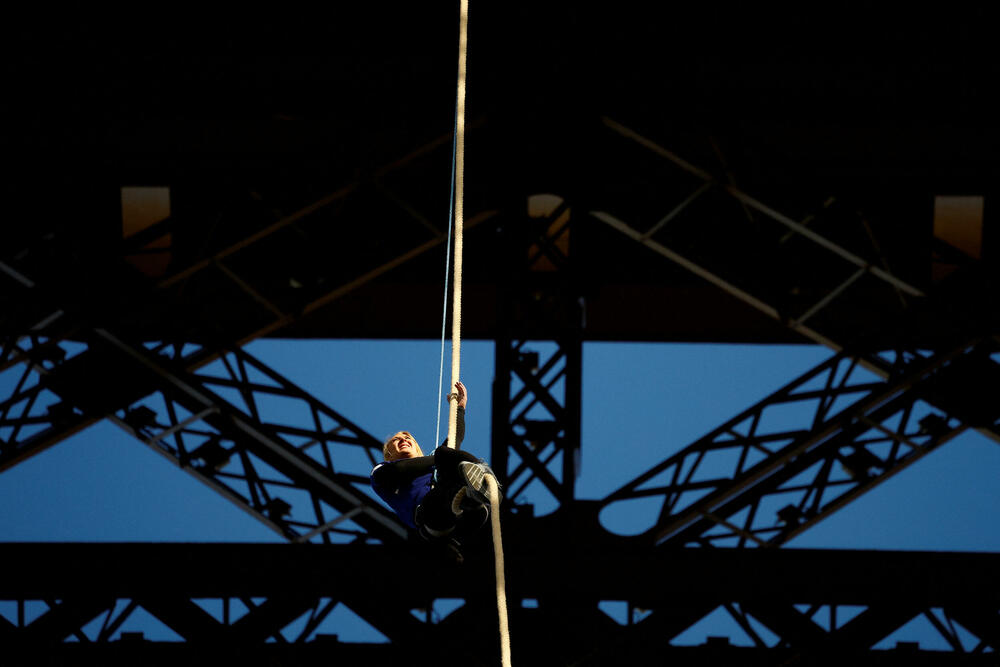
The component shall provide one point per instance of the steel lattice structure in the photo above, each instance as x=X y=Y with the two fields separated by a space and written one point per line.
x=230 y=602
x=537 y=391
x=847 y=434
x=230 y=447
x=769 y=199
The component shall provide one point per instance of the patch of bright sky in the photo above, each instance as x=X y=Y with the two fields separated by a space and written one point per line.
x=641 y=402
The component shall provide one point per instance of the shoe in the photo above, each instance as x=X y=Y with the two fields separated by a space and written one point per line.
x=432 y=535
x=473 y=519
x=474 y=475
x=452 y=551
x=442 y=543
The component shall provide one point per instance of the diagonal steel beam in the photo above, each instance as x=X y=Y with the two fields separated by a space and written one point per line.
x=714 y=279
x=63 y=619
x=743 y=471
x=184 y=617
x=15 y=451
x=54 y=431
x=871 y=362
x=709 y=521
x=309 y=209
x=268 y=618
x=775 y=215
x=224 y=438
x=201 y=433
x=981 y=620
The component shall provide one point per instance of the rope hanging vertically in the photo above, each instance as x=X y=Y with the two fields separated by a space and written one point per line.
x=456 y=310
x=501 y=582
x=456 y=326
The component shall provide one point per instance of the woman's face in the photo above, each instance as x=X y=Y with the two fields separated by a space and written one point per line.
x=402 y=446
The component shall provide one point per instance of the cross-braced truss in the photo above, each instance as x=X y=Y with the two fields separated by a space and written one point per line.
x=758 y=480
x=32 y=416
x=537 y=442
x=202 y=620
x=775 y=469
x=537 y=391
x=769 y=257
x=307 y=479
x=50 y=302
x=755 y=481
x=817 y=633
x=273 y=449
x=853 y=604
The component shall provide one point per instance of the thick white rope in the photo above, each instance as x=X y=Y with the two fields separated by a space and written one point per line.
x=498 y=562
x=456 y=310
x=456 y=328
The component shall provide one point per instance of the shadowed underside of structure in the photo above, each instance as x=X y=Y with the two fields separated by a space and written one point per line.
x=296 y=162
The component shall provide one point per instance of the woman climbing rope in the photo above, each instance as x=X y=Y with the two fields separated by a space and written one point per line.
x=443 y=496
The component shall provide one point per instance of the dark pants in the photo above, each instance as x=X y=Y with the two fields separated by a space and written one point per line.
x=435 y=509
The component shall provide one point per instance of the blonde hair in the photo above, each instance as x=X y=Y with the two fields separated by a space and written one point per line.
x=388 y=441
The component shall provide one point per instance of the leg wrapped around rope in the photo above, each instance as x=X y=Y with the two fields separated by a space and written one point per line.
x=454 y=510
x=475 y=476
x=440 y=540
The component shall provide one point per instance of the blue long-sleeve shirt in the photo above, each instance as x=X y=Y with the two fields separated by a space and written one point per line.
x=403 y=484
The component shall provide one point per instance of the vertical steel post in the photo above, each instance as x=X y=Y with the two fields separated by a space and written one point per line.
x=537 y=392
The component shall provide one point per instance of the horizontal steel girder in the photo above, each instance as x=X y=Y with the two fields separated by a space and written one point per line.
x=278 y=583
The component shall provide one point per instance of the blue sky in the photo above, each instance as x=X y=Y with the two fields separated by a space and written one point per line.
x=641 y=402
